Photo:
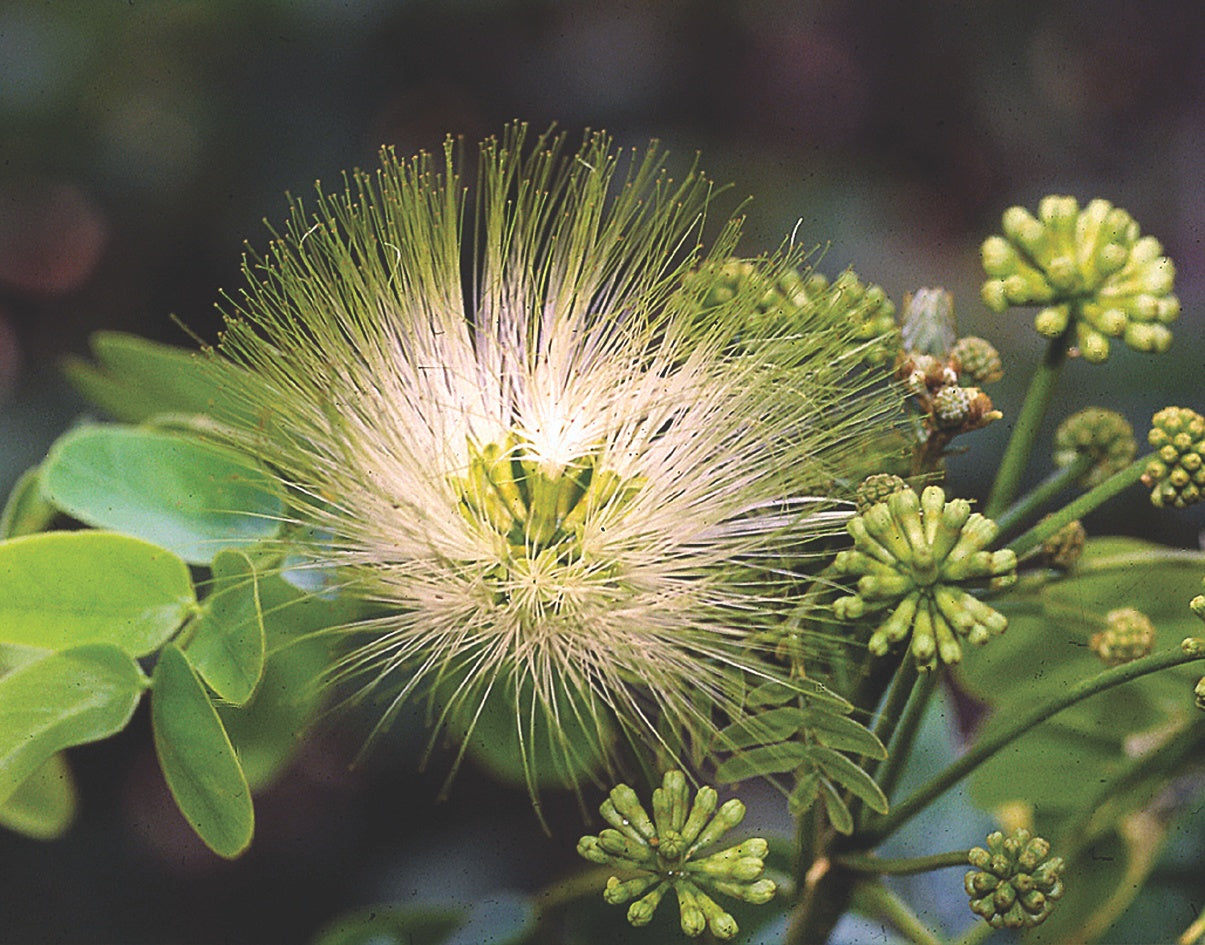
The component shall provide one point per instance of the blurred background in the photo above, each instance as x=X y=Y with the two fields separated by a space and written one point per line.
x=142 y=142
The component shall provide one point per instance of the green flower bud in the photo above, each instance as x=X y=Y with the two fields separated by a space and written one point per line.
x=962 y=409
x=911 y=555
x=1128 y=635
x=1193 y=646
x=1014 y=884
x=641 y=911
x=661 y=851
x=1103 y=435
x=1199 y=692
x=977 y=360
x=1062 y=549
x=1090 y=266
x=1176 y=477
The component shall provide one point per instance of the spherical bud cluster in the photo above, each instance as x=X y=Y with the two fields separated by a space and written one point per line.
x=1062 y=549
x=962 y=409
x=661 y=852
x=1091 y=267
x=794 y=298
x=977 y=360
x=1014 y=885
x=912 y=556
x=1176 y=476
x=877 y=488
x=1128 y=635
x=1105 y=436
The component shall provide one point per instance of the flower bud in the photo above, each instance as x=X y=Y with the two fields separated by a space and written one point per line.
x=1176 y=477
x=1104 y=436
x=1128 y=635
x=1014 y=884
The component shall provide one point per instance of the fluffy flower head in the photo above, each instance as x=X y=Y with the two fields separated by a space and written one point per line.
x=561 y=480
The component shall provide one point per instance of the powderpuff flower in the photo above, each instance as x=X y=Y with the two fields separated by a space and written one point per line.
x=564 y=479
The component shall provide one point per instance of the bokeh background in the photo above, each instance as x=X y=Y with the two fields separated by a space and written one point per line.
x=142 y=142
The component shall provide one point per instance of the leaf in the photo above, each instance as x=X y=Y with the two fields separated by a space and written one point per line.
x=197 y=758
x=43 y=806
x=849 y=776
x=26 y=510
x=765 y=759
x=266 y=731
x=844 y=734
x=63 y=589
x=135 y=379
x=393 y=925
x=805 y=792
x=62 y=700
x=226 y=645
x=177 y=492
x=773 y=725
x=838 y=813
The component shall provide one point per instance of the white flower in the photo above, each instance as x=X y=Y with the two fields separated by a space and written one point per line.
x=571 y=485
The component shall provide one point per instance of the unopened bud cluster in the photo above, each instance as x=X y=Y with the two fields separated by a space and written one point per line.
x=1013 y=885
x=1104 y=436
x=911 y=556
x=1176 y=476
x=661 y=853
x=1128 y=635
x=790 y=300
x=1091 y=267
x=878 y=488
x=1062 y=549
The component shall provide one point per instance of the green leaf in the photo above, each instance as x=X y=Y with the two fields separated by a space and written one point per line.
x=844 y=734
x=185 y=495
x=61 y=700
x=43 y=806
x=63 y=589
x=773 y=725
x=135 y=379
x=197 y=758
x=805 y=792
x=226 y=643
x=266 y=731
x=766 y=759
x=849 y=776
x=838 y=813
x=26 y=510
x=393 y=925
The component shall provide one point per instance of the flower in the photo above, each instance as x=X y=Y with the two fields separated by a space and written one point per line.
x=910 y=555
x=1014 y=885
x=661 y=853
x=1088 y=266
x=560 y=489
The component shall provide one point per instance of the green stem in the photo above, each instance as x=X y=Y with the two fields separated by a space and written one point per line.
x=879 y=902
x=889 y=772
x=897 y=697
x=1042 y=493
x=1081 y=506
x=1029 y=420
x=985 y=748
x=869 y=863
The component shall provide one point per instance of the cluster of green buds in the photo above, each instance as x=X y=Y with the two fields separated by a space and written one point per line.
x=794 y=296
x=1013 y=884
x=935 y=364
x=662 y=853
x=1101 y=439
x=1176 y=476
x=1090 y=267
x=878 y=488
x=1128 y=635
x=911 y=556
x=1062 y=549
